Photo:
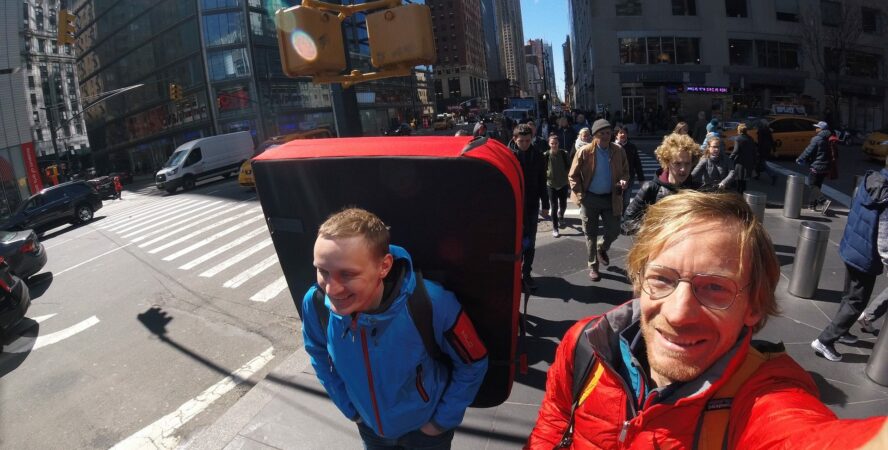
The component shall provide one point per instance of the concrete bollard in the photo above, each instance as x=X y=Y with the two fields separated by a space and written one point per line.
x=757 y=202
x=810 y=253
x=877 y=367
x=795 y=195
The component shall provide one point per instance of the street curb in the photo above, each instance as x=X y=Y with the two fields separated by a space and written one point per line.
x=225 y=429
x=840 y=197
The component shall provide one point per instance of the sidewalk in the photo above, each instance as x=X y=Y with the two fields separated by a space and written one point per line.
x=289 y=409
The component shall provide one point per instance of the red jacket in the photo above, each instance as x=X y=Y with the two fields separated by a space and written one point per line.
x=778 y=406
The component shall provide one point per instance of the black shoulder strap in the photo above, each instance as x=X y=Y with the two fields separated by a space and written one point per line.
x=584 y=361
x=320 y=308
x=419 y=305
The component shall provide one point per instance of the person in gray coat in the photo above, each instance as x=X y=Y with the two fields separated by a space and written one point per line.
x=744 y=156
x=714 y=170
x=816 y=155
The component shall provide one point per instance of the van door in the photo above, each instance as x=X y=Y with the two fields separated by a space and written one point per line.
x=194 y=162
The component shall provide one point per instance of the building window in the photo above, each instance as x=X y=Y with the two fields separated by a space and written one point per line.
x=660 y=50
x=228 y=64
x=216 y=4
x=628 y=7
x=41 y=46
x=741 y=53
x=871 y=20
x=31 y=81
x=224 y=29
x=735 y=8
x=26 y=13
x=38 y=17
x=36 y=115
x=40 y=134
x=453 y=88
x=684 y=7
x=777 y=55
x=52 y=19
x=831 y=12
x=860 y=64
x=787 y=10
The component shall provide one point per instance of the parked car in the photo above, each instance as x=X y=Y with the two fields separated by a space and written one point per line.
x=15 y=299
x=23 y=252
x=876 y=144
x=245 y=176
x=400 y=130
x=126 y=177
x=72 y=202
x=791 y=133
x=104 y=186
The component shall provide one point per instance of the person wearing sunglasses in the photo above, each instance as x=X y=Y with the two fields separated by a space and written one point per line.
x=676 y=366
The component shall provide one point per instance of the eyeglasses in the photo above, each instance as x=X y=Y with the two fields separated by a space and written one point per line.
x=712 y=291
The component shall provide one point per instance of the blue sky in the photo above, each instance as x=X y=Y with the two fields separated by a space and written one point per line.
x=548 y=20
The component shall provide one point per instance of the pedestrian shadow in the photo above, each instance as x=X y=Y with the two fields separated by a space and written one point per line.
x=557 y=287
x=827 y=295
x=829 y=394
x=785 y=254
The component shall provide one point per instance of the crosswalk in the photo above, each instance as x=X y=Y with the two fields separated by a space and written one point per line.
x=209 y=237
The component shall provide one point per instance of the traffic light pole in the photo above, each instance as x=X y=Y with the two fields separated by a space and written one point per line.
x=346 y=115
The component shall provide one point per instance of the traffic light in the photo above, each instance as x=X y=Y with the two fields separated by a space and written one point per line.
x=175 y=92
x=401 y=37
x=310 y=42
x=66 y=27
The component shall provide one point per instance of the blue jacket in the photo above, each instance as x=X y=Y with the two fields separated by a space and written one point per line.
x=859 y=242
x=375 y=366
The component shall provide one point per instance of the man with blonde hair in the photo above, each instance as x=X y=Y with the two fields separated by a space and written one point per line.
x=675 y=367
x=370 y=347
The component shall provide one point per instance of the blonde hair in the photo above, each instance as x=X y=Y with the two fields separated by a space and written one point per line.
x=741 y=129
x=673 y=145
x=664 y=220
x=351 y=222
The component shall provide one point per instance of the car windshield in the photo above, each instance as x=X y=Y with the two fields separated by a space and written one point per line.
x=176 y=158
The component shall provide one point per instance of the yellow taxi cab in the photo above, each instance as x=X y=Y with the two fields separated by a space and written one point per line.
x=245 y=176
x=876 y=144
x=791 y=134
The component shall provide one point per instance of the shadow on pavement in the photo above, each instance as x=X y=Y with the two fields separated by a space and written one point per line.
x=559 y=288
x=829 y=394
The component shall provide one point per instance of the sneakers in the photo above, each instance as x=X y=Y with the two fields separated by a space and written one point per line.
x=555 y=233
x=594 y=275
x=529 y=283
x=828 y=351
x=865 y=324
x=545 y=214
x=825 y=206
x=848 y=338
x=603 y=259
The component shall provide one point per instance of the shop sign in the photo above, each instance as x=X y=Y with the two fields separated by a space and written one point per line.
x=30 y=158
x=706 y=89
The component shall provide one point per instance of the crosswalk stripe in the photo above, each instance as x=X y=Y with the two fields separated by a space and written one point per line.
x=212 y=271
x=127 y=227
x=129 y=233
x=212 y=238
x=202 y=230
x=245 y=276
x=141 y=207
x=185 y=224
x=271 y=291
x=207 y=256
x=128 y=216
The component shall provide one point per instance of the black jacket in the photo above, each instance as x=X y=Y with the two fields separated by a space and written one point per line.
x=650 y=192
x=817 y=152
x=533 y=167
x=744 y=156
x=636 y=172
x=566 y=137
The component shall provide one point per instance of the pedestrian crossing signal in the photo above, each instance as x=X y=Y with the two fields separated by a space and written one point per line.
x=310 y=42
x=401 y=38
x=66 y=27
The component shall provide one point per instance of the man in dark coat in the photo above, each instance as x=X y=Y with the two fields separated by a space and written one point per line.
x=533 y=166
x=816 y=155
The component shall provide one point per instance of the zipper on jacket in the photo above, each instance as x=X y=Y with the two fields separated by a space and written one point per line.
x=419 y=387
x=633 y=413
x=370 y=381
x=624 y=431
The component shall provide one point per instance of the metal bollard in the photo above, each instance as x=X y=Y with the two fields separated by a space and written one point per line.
x=757 y=202
x=877 y=367
x=808 y=263
x=795 y=194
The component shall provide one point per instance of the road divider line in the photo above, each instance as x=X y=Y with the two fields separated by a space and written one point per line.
x=271 y=291
x=90 y=260
x=212 y=238
x=162 y=433
x=202 y=230
x=244 y=276
x=28 y=344
x=206 y=257
x=185 y=224
x=212 y=271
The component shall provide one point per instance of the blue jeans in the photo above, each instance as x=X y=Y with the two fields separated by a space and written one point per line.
x=413 y=440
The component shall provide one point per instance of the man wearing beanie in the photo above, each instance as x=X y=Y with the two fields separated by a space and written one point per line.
x=597 y=178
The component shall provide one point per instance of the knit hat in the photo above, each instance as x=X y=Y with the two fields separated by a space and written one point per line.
x=712 y=125
x=599 y=125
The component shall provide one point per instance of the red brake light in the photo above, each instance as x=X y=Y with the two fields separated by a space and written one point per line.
x=28 y=247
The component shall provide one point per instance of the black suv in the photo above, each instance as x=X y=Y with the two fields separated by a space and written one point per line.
x=73 y=202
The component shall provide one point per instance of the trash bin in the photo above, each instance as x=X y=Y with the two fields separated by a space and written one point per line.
x=795 y=194
x=877 y=367
x=756 y=201
x=810 y=253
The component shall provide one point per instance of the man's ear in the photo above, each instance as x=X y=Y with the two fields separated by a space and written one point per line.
x=386 y=265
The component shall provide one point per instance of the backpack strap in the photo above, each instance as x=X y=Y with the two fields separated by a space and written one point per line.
x=320 y=308
x=712 y=426
x=419 y=305
x=584 y=361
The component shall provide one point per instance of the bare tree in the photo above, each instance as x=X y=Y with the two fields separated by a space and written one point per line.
x=830 y=31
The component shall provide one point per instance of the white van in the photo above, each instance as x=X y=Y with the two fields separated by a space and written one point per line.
x=205 y=158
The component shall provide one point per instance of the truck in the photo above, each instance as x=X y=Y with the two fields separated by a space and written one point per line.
x=204 y=158
x=525 y=103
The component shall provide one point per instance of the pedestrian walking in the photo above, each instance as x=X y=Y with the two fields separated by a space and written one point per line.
x=877 y=307
x=597 y=178
x=361 y=300
x=681 y=128
x=700 y=127
x=743 y=156
x=636 y=171
x=715 y=170
x=118 y=187
x=557 y=165
x=864 y=250
x=566 y=135
x=675 y=154
x=584 y=138
x=539 y=145
x=816 y=156
x=765 y=151
x=713 y=128
x=533 y=168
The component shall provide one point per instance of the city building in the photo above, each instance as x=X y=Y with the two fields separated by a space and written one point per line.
x=568 y=73
x=461 y=71
x=223 y=55
x=548 y=61
x=511 y=42
x=728 y=58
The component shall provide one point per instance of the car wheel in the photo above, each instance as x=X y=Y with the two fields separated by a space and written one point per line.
x=171 y=190
x=188 y=184
x=84 y=213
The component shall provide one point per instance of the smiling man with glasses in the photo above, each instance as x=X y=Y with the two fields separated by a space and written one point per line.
x=675 y=367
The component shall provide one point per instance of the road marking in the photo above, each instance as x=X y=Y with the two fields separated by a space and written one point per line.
x=212 y=238
x=271 y=291
x=129 y=214
x=244 y=276
x=209 y=273
x=163 y=218
x=202 y=230
x=41 y=319
x=149 y=217
x=90 y=260
x=224 y=248
x=162 y=433
x=177 y=215
x=26 y=344
x=178 y=228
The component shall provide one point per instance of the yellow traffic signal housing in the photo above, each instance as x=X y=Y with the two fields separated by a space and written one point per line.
x=66 y=27
x=401 y=37
x=310 y=42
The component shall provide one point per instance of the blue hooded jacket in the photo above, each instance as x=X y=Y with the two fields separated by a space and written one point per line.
x=858 y=247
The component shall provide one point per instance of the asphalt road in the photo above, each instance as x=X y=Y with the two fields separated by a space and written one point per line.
x=127 y=339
